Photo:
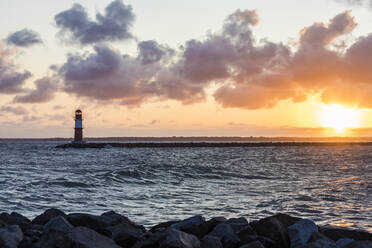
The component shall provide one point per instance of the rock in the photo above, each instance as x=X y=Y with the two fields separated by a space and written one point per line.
x=300 y=232
x=359 y=244
x=25 y=243
x=83 y=237
x=34 y=232
x=15 y=219
x=247 y=235
x=47 y=216
x=207 y=226
x=256 y=244
x=150 y=240
x=58 y=223
x=189 y=225
x=211 y=241
x=343 y=242
x=226 y=235
x=318 y=240
x=163 y=225
x=10 y=236
x=237 y=224
x=112 y=218
x=339 y=233
x=179 y=239
x=275 y=228
x=125 y=235
x=96 y=223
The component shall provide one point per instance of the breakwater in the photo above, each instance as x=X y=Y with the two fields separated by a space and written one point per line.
x=208 y=144
x=54 y=228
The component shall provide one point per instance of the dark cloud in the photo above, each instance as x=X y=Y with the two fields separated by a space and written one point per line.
x=114 y=24
x=151 y=52
x=14 y=110
x=11 y=81
x=45 y=91
x=24 y=38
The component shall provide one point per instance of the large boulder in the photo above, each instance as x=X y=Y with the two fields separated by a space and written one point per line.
x=255 y=244
x=15 y=219
x=189 y=225
x=339 y=233
x=207 y=226
x=211 y=241
x=237 y=224
x=10 y=236
x=275 y=228
x=359 y=244
x=47 y=216
x=125 y=235
x=163 y=226
x=226 y=235
x=318 y=240
x=179 y=239
x=300 y=232
x=83 y=237
x=112 y=218
x=58 y=223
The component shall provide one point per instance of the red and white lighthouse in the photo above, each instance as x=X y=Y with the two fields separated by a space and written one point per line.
x=78 y=126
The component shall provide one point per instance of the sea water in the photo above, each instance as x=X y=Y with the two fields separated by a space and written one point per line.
x=330 y=185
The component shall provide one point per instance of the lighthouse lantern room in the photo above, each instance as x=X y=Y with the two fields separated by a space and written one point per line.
x=78 y=127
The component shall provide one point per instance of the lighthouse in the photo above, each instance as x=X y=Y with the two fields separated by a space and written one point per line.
x=78 y=127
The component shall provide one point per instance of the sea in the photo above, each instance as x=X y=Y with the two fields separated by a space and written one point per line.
x=331 y=185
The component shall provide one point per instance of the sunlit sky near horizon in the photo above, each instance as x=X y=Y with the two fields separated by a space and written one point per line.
x=186 y=68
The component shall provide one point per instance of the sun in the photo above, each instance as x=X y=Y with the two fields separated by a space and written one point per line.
x=339 y=118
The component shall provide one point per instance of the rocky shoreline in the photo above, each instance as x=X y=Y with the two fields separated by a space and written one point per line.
x=56 y=229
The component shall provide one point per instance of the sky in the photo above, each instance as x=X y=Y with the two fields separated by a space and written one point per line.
x=186 y=68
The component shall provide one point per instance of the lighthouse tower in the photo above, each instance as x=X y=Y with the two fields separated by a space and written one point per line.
x=78 y=127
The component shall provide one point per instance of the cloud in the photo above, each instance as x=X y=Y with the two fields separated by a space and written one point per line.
x=357 y=2
x=24 y=38
x=247 y=73
x=11 y=81
x=45 y=91
x=14 y=110
x=115 y=24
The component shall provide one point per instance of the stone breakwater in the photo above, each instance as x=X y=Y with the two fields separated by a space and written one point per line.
x=208 y=144
x=56 y=229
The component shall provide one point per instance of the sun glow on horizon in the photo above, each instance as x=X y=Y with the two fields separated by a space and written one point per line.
x=340 y=118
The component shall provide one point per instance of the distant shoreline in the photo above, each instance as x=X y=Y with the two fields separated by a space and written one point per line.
x=200 y=139
x=205 y=144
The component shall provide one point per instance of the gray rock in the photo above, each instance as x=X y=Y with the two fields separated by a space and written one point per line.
x=47 y=216
x=54 y=239
x=188 y=225
x=275 y=228
x=10 y=236
x=112 y=218
x=179 y=239
x=344 y=242
x=237 y=224
x=15 y=219
x=339 y=233
x=321 y=243
x=226 y=235
x=300 y=232
x=58 y=223
x=163 y=226
x=125 y=234
x=359 y=244
x=256 y=244
x=207 y=226
x=83 y=237
x=211 y=241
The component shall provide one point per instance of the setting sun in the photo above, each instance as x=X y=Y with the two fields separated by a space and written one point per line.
x=339 y=118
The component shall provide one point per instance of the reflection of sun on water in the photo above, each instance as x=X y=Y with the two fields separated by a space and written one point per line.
x=339 y=118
